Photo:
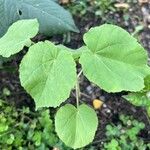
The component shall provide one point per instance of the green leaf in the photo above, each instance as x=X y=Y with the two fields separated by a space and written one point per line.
x=37 y=138
x=76 y=127
x=52 y=17
x=10 y=140
x=141 y=98
x=48 y=74
x=147 y=83
x=17 y=36
x=112 y=145
x=115 y=61
x=138 y=99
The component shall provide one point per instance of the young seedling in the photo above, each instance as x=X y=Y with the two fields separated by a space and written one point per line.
x=111 y=58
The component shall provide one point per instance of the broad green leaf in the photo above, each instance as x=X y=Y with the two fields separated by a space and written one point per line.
x=115 y=60
x=17 y=36
x=76 y=127
x=48 y=74
x=52 y=17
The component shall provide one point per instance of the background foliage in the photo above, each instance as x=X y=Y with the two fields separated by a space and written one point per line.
x=25 y=130
x=53 y=18
x=125 y=135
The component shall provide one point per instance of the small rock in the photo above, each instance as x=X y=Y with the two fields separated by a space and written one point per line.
x=104 y=105
x=108 y=111
x=102 y=98
x=89 y=89
x=64 y=1
x=97 y=103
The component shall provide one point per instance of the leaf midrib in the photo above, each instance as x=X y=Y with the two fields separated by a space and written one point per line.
x=99 y=56
x=132 y=66
x=109 y=45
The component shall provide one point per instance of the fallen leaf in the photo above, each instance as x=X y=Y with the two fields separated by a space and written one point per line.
x=64 y=1
x=122 y=5
x=143 y=1
x=55 y=148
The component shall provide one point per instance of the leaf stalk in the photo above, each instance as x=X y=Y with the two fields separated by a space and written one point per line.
x=78 y=89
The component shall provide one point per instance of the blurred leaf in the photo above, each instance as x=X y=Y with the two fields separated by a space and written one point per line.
x=52 y=17
x=6 y=92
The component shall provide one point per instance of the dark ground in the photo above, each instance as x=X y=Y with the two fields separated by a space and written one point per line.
x=114 y=104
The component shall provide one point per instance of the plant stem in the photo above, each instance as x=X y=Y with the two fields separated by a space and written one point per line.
x=78 y=89
x=77 y=93
x=79 y=74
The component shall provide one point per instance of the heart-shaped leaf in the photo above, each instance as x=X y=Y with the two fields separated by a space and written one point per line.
x=48 y=74
x=18 y=36
x=52 y=17
x=115 y=61
x=76 y=127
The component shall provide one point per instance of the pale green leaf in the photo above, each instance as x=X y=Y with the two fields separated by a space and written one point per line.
x=52 y=17
x=18 y=36
x=115 y=60
x=48 y=74
x=76 y=127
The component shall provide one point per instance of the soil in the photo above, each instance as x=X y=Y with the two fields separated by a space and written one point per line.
x=114 y=104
